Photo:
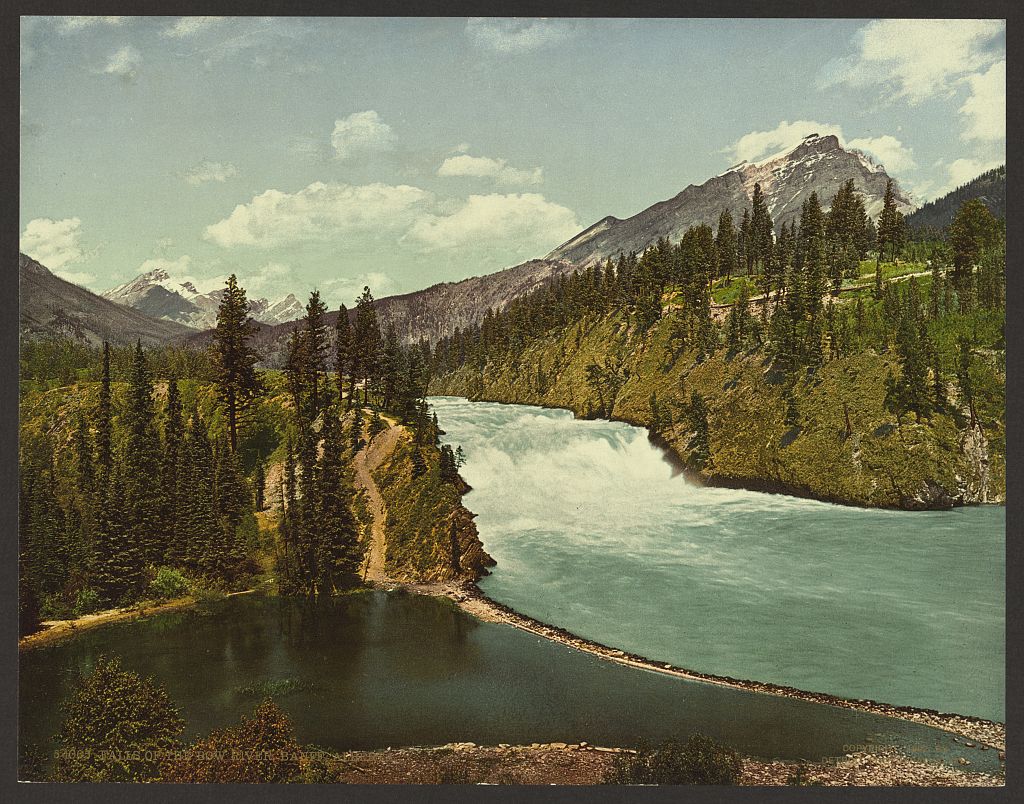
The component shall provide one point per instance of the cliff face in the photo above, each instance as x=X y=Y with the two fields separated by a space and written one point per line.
x=431 y=536
x=756 y=440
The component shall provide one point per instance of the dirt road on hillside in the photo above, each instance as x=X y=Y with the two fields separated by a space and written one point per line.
x=366 y=461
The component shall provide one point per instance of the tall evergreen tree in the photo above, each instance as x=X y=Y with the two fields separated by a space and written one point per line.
x=141 y=462
x=366 y=340
x=725 y=240
x=337 y=546
x=317 y=346
x=105 y=422
x=238 y=383
x=343 y=355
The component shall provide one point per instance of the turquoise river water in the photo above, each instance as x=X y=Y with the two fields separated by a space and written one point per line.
x=593 y=531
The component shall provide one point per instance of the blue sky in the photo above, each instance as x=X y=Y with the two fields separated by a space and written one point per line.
x=302 y=152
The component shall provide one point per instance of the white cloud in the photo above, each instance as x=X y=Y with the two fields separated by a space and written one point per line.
x=484 y=167
x=785 y=135
x=526 y=222
x=209 y=171
x=516 y=35
x=55 y=244
x=272 y=275
x=917 y=59
x=961 y=171
x=361 y=132
x=985 y=107
x=893 y=154
x=317 y=212
x=124 y=63
x=345 y=290
x=68 y=25
x=190 y=26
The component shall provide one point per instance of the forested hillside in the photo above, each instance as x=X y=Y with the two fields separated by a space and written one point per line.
x=789 y=363
x=161 y=473
x=989 y=188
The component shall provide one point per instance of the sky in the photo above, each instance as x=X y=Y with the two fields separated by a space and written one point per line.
x=401 y=152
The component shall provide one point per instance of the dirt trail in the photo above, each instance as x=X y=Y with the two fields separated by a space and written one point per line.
x=367 y=460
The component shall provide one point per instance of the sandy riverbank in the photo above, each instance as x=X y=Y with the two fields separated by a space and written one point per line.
x=54 y=630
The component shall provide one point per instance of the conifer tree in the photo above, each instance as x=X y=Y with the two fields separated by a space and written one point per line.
x=366 y=340
x=343 y=355
x=238 y=383
x=104 y=422
x=172 y=502
x=141 y=462
x=888 y=234
x=725 y=241
x=317 y=345
x=200 y=528
x=337 y=553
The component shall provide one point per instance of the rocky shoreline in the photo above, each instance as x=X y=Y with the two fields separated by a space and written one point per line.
x=584 y=764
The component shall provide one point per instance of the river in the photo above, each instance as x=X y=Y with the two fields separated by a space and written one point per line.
x=375 y=669
x=595 y=532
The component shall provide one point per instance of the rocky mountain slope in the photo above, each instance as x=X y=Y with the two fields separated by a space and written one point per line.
x=51 y=307
x=816 y=164
x=990 y=187
x=160 y=295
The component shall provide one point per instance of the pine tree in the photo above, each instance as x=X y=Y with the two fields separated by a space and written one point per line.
x=119 y=558
x=238 y=383
x=343 y=355
x=366 y=341
x=172 y=503
x=141 y=462
x=761 y=242
x=199 y=527
x=337 y=547
x=888 y=234
x=316 y=343
x=725 y=241
x=972 y=231
x=104 y=422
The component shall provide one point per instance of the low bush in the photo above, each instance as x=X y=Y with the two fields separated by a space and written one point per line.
x=168 y=583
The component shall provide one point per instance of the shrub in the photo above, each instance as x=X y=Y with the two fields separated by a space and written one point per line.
x=700 y=760
x=262 y=748
x=86 y=601
x=117 y=725
x=168 y=583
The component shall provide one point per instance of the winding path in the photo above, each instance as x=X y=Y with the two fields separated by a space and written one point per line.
x=366 y=461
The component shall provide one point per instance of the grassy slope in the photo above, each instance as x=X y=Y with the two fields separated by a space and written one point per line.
x=422 y=512
x=907 y=466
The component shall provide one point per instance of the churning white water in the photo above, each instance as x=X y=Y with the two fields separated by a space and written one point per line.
x=594 y=531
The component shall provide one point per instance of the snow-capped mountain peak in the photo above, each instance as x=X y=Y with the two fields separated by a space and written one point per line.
x=159 y=294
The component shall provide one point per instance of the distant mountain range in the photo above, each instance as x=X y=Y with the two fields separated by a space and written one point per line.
x=990 y=187
x=159 y=295
x=430 y=313
x=158 y=308
x=50 y=306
